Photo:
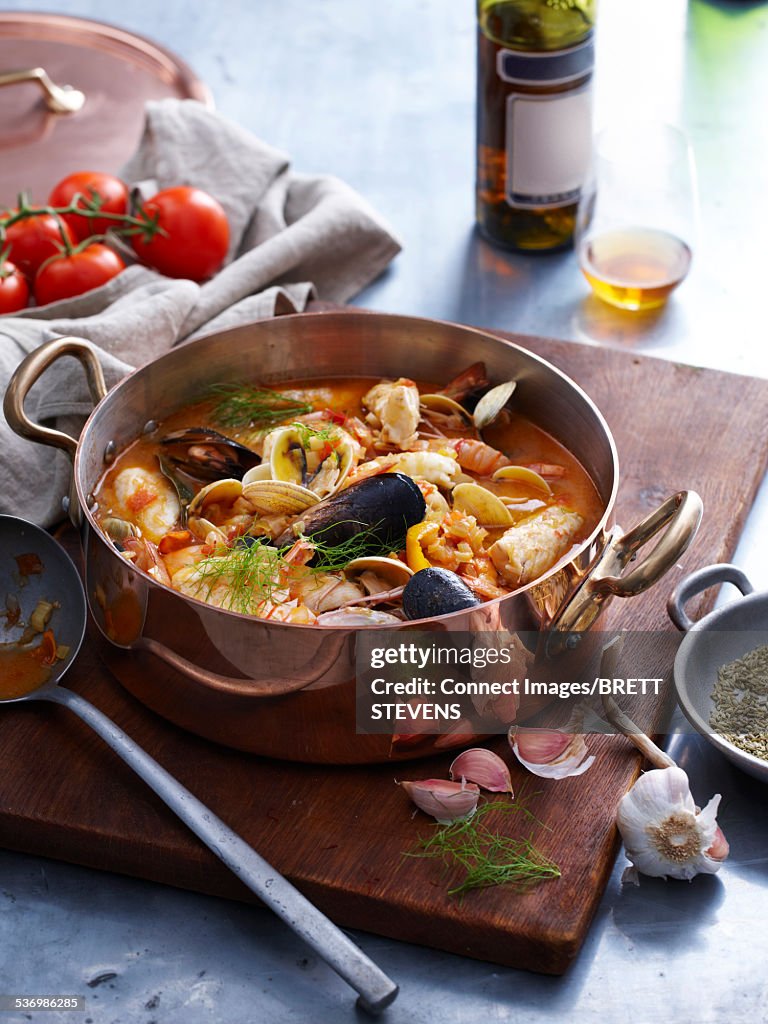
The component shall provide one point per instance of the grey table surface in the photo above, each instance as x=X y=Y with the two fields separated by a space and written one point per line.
x=382 y=94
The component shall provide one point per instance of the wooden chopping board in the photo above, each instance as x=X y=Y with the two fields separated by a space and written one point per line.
x=340 y=833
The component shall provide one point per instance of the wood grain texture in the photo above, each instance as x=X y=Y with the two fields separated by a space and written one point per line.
x=676 y=427
x=340 y=833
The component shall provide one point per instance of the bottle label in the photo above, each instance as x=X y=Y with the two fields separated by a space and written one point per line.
x=557 y=67
x=549 y=142
x=548 y=135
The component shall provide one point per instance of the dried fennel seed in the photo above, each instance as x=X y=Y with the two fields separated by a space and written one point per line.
x=740 y=699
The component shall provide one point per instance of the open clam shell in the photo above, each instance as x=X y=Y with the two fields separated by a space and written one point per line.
x=492 y=402
x=205 y=530
x=391 y=571
x=262 y=472
x=118 y=529
x=290 y=459
x=484 y=505
x=524 y=476
x=224 y=491
x=333 y=471
x=347 y=618
x=447 y=406
x=287 y=459
x=277 y=497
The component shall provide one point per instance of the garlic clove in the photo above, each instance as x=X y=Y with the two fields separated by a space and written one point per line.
x=550 y=753
x=483 y=767
x=665 y=835
x=541 y=746
x=445 y=801
x=504 y=707
x=720 y=849
x=461 y=733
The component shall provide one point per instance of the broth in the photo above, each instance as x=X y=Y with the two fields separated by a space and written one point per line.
x=138 y=507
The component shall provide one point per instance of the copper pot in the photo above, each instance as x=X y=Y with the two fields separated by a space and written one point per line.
x=286 y=690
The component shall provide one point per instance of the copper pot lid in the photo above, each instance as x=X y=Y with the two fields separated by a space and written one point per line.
x=115 y=71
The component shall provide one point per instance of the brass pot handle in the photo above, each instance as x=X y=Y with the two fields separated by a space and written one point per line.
x=267 y=687
x=27 y=374
x=59 y=99
x=678 y=517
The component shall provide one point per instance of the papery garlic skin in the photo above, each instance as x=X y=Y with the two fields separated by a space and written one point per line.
x=551 y=753
x=483 y=767
x=719 y=849
x=665 y=835
x=445 y=801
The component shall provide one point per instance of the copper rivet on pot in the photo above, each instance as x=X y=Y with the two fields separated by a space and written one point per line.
x=90 y=501
x=149 y=427
x=110 y=451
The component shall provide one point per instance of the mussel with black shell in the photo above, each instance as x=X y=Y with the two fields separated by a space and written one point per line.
x=204 y=454
x=382 y=508
x=435 y=591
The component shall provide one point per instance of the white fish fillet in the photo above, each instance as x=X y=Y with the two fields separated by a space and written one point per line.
x=395 y=405
x=529 y=548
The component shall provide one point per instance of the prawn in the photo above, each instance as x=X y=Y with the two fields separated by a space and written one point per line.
x=145 y=555
x=475 y=456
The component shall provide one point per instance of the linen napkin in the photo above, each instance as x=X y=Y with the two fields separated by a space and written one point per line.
x=292 y=237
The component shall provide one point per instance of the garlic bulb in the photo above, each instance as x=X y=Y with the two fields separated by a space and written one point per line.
x=550 y=753
x=664 y=832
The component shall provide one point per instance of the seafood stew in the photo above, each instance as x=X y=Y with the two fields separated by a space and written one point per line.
x=321 y=502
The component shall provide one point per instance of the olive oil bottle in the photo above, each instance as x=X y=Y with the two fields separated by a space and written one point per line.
x=534 y=118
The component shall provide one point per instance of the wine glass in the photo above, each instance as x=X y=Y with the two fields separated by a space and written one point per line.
x=637 y=217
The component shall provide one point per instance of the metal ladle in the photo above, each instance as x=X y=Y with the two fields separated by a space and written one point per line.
x=60 y=581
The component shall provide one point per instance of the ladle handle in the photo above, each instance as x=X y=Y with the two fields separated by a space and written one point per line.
x=376 y=990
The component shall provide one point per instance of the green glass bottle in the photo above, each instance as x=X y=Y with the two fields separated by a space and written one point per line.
x=534 y=118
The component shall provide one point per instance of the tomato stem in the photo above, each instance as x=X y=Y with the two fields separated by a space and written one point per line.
x=4 y=271
x=126 y=224
x=74 y=250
